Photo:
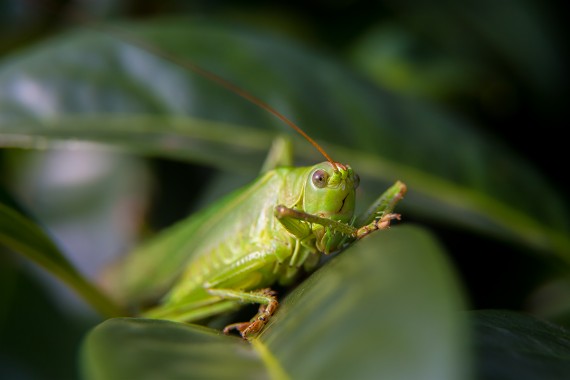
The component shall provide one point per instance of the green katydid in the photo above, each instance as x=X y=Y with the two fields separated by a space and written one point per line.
x=267 y=232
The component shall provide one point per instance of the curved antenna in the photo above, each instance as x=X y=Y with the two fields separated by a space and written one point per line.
x=211 y=76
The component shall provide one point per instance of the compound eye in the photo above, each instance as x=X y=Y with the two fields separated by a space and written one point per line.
x=320 y=178
x=356 y=180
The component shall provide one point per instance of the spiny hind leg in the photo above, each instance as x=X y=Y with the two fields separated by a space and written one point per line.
x=264 y=297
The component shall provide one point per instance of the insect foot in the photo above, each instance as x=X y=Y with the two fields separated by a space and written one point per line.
x=381 y=224
x=250 y=329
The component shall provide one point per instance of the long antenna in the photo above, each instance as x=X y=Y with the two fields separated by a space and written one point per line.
x=211 y=76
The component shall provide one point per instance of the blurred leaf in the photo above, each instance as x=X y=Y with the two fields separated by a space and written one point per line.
x=362 y=311
x=551 y=300
x=514 y=346
x=400 y=61
x=24 y=236
x=9 y=201
x=91 y=200
x=516 y=38
x=39 y=338
x=153 y=349
x=20 y=233
x=359 y=317
x=100 y=89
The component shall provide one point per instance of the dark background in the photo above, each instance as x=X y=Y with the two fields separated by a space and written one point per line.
x=527 y=112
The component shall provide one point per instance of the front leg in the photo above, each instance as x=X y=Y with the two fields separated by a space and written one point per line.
x=295 y=222
x=378 y=217
x=381 y=224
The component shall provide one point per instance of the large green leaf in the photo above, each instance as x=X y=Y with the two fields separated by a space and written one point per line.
x=94 y=87
x=514 y=346
x=129 y=348
x=388 y=307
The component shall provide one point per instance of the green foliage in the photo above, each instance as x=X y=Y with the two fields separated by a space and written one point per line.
x=518 y=346
x=357 y=316
x=25 y=236
x=390 y=306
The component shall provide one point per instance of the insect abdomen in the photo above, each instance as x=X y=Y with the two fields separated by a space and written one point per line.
x=243 y=229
